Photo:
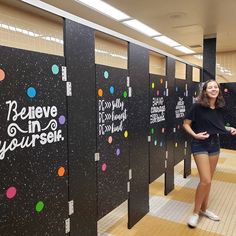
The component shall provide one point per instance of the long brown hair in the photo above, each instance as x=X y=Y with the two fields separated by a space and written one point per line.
x=204 y=100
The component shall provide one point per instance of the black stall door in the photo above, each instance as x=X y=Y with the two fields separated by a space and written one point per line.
x=158 y=126
x=33 y=149
x=112 y=138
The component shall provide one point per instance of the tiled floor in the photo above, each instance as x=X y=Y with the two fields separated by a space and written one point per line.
x=168 y=214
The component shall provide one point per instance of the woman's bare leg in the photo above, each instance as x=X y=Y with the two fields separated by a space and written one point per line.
x=213 y=162
x=204 y=170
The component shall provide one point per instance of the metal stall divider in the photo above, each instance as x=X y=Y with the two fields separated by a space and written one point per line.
x=33 y=152
x=80 y=62
x=158 y=87
x=112 y=138
x=138 y=119
x=170 y=119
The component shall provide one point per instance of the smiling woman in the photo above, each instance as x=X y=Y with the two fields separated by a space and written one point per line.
x=204 y=123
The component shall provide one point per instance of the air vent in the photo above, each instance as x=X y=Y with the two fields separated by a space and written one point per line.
x=195 y=46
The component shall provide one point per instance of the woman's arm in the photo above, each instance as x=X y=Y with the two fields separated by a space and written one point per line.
x=187 y=126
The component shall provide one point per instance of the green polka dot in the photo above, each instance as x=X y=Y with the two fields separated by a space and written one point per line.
x=39 y=206
x=152 y=131
x=228 y=124
x=125 y=94
x=55 y=69
x=106 y=74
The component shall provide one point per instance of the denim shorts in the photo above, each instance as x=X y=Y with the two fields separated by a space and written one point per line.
x=209 y=146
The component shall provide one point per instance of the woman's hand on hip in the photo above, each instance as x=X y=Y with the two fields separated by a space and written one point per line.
x=202 y=135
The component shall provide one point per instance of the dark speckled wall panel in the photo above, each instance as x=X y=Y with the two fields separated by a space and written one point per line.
x=187 y=157
x=33 y=144
x=79 y=53
x=112 y=138
x=170 y=118
x=158 y=126
x=229 y=93
x=138 y=118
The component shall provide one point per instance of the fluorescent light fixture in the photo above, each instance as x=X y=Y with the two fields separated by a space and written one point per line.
x=184 y=49
x=105 y=9
x=139 y=26
x=167 y=41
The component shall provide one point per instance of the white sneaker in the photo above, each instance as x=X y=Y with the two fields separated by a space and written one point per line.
x=193 y=220
x=210 y=215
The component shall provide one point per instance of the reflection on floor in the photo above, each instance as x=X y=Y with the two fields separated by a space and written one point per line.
x=168 y=214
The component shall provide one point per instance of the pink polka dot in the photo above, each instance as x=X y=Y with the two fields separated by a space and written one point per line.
x=158 y=92
x=104 y=167
x=110 y=139
x=11 y=192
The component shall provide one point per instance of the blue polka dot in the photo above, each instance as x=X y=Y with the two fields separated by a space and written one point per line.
x=155 y=142
x=161 y=144
x=176 y=89
x=31 y=92
x=55 y=69
x=106 y=74
x=112 y=90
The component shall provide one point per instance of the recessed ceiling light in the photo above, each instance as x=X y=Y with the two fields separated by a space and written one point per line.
x=139 y=26
x=105 y=9
x=167 y=41
x=184 y=49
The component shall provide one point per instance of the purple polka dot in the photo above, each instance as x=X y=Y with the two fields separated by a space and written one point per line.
x=11 y=192
x=117 y=151
x=62 y=120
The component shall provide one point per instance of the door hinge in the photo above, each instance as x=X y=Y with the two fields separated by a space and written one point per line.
x=97 y=156
x=71 y=207
x=67 y=225
x=68 y=89
x=128 y=81
x=130 y=174
x=64 y=73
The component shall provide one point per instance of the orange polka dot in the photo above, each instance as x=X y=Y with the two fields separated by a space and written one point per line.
x=61 y=171
x=161 y=81
x=100 y=92
x=2 y=75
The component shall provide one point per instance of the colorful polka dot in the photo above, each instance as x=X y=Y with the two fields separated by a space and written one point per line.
x=11 y=192
x=112 y=90
x=126 y=134
x=104 y=167
x=155 y=142
x=161 y=81
x=125 y=94
x=2 y=75
x=62 y=120
x=225 y=90
x=153 y=85
x=152 y=130
x=176 y=145
x=31 y=92
x=161 y=144
x=100 y=92
x=106 y=74
x=163 y=130
x=117 y=151
x=176 y=89
x=55 y=69
x=110 y=139
x=39 y=206
x=158 y=92
x=61 y=171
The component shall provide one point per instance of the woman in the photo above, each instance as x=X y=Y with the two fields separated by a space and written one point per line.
x=204 y=123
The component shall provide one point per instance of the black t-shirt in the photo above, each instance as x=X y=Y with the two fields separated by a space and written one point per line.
x=206 y=119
